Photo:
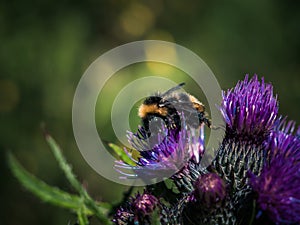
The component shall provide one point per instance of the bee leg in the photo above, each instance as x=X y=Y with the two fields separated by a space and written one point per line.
x=203 y=119
x=207 y=122
x=146 y=127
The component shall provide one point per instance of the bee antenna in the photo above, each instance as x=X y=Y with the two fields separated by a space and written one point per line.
x=173 y=89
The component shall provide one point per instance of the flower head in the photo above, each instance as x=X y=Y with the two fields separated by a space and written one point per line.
x=208 y=202
x=282 y=142
x=210 y=190
x=278 y=185
x=278 y=189
x=144 y=204
x=249 y=110
x=138 y=210
x=166 y=152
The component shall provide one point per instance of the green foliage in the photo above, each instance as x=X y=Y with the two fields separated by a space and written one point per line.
x=45 y=192
x=171 y=186
x=122 y=154
x=82 y=217
x=83 y=205
x=155 y=217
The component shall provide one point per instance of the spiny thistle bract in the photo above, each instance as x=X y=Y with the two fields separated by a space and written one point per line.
x=253 y=179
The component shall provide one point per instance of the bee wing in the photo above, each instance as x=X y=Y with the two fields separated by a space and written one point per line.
x=185 y=106
x=178 y=104
x=172 y=89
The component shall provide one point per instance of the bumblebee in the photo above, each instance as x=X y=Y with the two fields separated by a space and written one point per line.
x=169 y=106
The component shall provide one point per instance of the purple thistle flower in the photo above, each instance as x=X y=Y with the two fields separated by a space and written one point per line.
x=278 y=189
x=166 y=152
x=278 y=185
x=210 y=191
x=208 y=202
x=249 y=110
x=144 y=204
x=138 y=210
x=282 y=142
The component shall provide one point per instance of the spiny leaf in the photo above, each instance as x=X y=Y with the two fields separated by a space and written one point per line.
x=42 y=190
x=66 y=168
x=99 y=212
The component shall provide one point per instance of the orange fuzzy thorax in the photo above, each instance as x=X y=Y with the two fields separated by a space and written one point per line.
x=144 y=110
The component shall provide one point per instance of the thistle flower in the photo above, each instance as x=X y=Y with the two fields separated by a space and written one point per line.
x=138 y=210
x=278 y=185
x=209 y=191
x=207 y=203
x=144 y=204
x=166 y=152
x=282 y=141
x=249 y=110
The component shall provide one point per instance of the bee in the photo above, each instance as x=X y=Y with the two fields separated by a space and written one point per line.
x=169 y=107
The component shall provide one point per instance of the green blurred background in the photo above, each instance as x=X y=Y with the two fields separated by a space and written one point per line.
x=47 y=45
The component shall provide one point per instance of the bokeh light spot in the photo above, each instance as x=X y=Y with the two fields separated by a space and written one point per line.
x=136 y=20
x=160 y=51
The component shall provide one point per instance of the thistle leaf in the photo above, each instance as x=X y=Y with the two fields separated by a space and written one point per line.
x=99 y=212
x=42 y=190
x=66 y=168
